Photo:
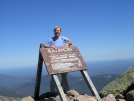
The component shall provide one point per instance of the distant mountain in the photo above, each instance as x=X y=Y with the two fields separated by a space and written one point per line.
x=116 y=66
x=9 y=93
x=76 y=83
x=98 y=81
x=11 y=82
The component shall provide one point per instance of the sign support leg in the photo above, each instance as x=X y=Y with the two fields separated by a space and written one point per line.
x=38 y=76
x=59 y=88
x=90 y=84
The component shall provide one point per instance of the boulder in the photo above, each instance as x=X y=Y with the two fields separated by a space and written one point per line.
x=86 y=98
x=120 y=100
x=29 y=98
x=130 y=96
x=73 y=95
x=120 y=85
x=119 y=96
x=109 y=97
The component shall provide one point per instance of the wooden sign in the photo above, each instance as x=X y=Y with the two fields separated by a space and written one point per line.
x=62 y=60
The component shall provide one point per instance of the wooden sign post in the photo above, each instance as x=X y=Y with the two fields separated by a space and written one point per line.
x=61 y=61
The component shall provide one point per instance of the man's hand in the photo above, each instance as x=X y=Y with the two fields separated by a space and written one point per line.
x=53 y=47
x=66 y=46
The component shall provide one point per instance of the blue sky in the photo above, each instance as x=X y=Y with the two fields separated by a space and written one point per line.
x=101 y=29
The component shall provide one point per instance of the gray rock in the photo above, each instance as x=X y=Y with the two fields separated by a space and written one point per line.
x=120 y=100
x=119 y=96
x=29 y=98
x=120 y=85
x=86 y=98
x=72 y=94
x=109 y=97
x=130 y=96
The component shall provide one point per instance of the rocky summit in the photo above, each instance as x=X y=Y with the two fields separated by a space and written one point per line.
x=123 y=85
x=71 y=95
x=121 y=89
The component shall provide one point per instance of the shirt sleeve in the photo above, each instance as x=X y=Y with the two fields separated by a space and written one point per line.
x=49 y=42
x=65 y=39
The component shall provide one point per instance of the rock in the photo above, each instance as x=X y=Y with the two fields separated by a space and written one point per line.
x=120 y=85
x=29 y=98
x=72 y=94
x=130 y=96
x=86 y=98
x=119 y=96
x=120 y=100
x=109 y=97
x=57 y=98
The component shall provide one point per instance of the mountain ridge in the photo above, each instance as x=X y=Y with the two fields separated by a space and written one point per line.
x=75 y=83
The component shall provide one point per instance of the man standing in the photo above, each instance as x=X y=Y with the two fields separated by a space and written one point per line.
x=54 y=43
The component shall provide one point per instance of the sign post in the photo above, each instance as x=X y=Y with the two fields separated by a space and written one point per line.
x=38 y=75
x=61 y=61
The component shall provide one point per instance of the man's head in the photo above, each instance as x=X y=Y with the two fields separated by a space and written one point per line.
x=57 y=31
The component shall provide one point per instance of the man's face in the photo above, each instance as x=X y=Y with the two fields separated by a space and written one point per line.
x=57 y=32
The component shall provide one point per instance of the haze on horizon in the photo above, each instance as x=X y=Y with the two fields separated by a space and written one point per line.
x=101 y=29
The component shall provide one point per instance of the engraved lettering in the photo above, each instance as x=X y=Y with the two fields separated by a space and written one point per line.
x=59 y=50
x=49 y=51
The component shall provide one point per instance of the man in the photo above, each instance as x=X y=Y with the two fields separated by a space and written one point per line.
x=54 y=43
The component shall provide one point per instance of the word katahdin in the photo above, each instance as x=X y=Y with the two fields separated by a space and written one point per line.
x=59 y=50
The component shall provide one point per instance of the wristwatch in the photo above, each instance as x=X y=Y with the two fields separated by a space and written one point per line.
x=69 y=44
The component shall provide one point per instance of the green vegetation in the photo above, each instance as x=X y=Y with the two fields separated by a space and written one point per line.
x=120 y=85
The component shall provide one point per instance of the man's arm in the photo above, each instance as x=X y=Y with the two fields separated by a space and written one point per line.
x=53 y=47
x=48 y=44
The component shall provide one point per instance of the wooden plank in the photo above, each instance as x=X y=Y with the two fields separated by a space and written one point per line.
x=62 y=60
x=59 y=88
x=38 y=76
x=90 y=84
